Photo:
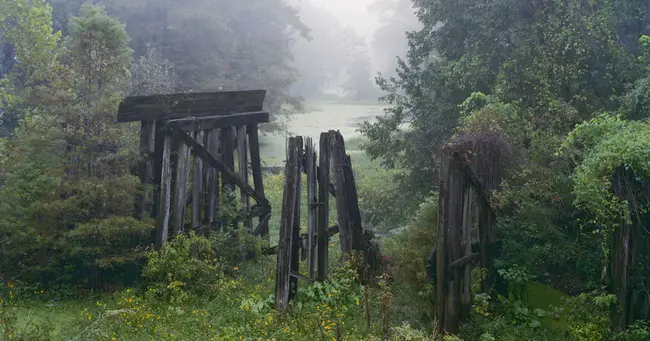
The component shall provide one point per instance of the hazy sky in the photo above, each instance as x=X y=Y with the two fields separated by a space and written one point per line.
x=353 y=13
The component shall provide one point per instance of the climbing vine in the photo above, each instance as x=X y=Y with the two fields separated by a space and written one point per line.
x=604 y=144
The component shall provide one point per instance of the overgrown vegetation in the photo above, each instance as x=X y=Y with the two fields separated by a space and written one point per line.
x=564 y=83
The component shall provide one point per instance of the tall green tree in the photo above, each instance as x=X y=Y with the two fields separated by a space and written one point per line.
x=545 y=56
x=65 y=183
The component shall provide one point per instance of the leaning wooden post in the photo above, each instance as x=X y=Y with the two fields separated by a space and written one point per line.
x=165 y=193
x=322 y=223
x=295 y=234
x=291 y=186
x=312 y=200
x=339 y=162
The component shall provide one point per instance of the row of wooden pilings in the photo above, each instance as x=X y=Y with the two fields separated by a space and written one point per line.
x=330 y=162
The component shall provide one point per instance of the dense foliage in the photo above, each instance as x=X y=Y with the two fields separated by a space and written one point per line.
x=563 y=83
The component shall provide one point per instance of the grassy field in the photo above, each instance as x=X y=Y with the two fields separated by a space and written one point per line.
x=320 y=117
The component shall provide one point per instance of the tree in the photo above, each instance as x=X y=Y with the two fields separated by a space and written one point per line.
x=358 y=84
x=389 y=41
x=531 y=53
x=65 y=171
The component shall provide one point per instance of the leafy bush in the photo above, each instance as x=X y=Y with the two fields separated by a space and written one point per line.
x=188 y=263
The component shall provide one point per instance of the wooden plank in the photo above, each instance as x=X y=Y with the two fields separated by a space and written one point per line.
x=174 y=106
x=157 y=161
x=338 y=168
x=242 y=156
x=197 y=185
x=322 y=223
x=312 y=199
x=217 y=122
x=180 y=190
x=211 y=179
x=256 y=169
x=226 y=171
x=295 y=236
x=165 y=194
x=292 y=180
x=146 y=146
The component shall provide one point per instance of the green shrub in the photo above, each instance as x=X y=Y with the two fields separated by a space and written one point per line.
x=188 y=263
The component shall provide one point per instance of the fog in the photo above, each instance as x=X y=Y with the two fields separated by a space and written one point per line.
x=355 y=14
x=299 y=50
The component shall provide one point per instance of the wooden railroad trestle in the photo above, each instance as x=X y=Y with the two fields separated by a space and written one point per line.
x=188 y=144
x=313 y=245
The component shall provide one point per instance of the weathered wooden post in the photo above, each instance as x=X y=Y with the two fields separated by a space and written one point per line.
x=322 y=223
x=287 y=223
x=165 y=193
x=312 y=200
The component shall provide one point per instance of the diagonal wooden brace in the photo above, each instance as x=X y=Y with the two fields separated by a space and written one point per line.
x=221 y=167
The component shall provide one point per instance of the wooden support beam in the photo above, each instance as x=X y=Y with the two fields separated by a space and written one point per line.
x=159 y=141
x=217 y=122
x=242 y=166
x=175 y=106
x=165 y=194
x=322 y=223
x=180 y=191
x=256 y=169
x=197 y=185
x=227 y=172
x=285 y=247
x=211 y=179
